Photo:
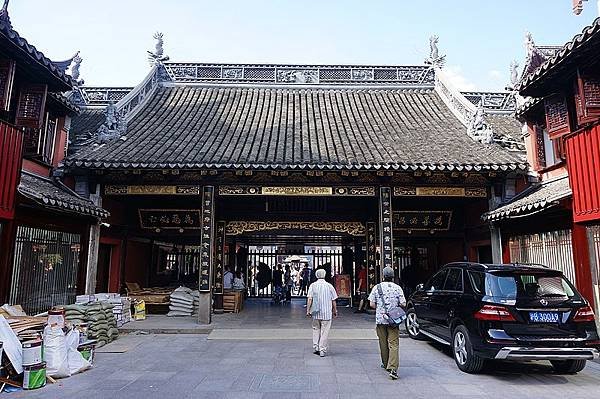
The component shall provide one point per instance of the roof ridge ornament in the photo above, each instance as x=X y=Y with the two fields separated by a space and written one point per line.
x=114 y=126
x=514 y=76
x=157 y=57
x=478 y=129
x=4 y=17
x=534 y=56
x=435 y=59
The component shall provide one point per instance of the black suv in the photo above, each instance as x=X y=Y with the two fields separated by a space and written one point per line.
x=509 y=312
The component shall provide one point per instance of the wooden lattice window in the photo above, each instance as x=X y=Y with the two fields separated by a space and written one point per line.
x=30 y=109
x=39 y=143
x=7 y=77
x=557 y=115
x=588 y=98
x=540 y=148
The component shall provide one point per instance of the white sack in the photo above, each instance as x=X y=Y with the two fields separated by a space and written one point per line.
x=55 y=353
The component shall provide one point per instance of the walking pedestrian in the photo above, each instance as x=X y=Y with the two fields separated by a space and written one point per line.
x=322 y=307
x=362 y=289
x=385 y=296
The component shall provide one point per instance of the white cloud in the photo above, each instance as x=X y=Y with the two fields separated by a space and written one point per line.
x=457 y=79
x=495 y=74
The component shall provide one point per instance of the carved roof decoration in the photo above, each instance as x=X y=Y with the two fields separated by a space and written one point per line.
x=499 y=127
x=584 y=43
x=286 y=74
x=500 y=102
x=52 y=193
x=33 y=55
x=534 y=199
x=435 y=59
x=65 y=102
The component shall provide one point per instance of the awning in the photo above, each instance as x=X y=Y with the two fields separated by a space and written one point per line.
x=536 y=198
x=54 y=194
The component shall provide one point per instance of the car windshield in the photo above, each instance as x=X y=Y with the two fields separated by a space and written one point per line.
x=510 y=286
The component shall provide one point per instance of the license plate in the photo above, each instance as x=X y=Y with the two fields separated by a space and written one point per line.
x=544 y=317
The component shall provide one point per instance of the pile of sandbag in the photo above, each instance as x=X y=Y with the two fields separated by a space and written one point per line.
x=183 y=302
x=99 y=317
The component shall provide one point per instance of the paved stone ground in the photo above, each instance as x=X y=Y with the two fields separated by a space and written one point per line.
x=190 y=366
x=257 y=313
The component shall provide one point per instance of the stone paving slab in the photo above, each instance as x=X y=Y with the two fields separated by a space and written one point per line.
x=191 y=366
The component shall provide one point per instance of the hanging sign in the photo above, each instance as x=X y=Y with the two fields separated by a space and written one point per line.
x=385 y=224
x=219 y=258
x=207 y=238
x=371 y=257
x=170 y=218
x=422 y=220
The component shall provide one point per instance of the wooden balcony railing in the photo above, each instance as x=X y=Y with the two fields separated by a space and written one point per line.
x=11 y=148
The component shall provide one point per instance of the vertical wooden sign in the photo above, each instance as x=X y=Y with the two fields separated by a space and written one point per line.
x=371 y=248
x=207 y=238
x=386 y=246
x=219 y=258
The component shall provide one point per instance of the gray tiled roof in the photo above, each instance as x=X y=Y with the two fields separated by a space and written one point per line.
x=277 y=127
x=56 y=195
x=532 y=200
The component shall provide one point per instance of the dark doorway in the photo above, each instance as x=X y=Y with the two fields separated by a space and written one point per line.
x=484 y=254
x=104 y=252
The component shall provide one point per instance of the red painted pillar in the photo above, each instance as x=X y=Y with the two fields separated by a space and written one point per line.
x=581 y=258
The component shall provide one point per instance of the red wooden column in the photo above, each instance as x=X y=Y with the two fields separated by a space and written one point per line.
x=581 y=257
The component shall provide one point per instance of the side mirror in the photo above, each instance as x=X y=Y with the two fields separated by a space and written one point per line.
x=419 y=287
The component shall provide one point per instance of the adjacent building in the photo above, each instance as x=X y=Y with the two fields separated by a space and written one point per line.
x=44 y=224
x=556 y=220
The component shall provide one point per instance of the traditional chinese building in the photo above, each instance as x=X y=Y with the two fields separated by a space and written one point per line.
x=44 y=224
x=556 y=220
x=203 y=165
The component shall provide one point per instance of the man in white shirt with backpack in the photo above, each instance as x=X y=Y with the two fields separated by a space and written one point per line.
x=388 y=299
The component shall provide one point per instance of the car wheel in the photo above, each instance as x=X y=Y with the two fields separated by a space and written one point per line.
x=412 y=325
x=465 y=358
x=568 y=366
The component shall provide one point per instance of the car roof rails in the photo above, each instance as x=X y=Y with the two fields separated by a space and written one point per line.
x=529 y=264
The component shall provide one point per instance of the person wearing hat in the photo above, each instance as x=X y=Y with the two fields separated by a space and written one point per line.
x=384 y=296
x=322 y=307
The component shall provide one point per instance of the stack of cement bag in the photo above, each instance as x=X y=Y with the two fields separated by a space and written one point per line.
x=99 y=317
x=183 y=302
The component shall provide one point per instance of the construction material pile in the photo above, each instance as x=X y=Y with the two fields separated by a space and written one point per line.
x=99 y=318
x=121 y=306
x=183 y=302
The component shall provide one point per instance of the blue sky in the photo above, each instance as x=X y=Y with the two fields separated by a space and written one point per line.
x=479 y=37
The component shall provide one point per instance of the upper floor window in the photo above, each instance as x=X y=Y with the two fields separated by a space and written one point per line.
x=39 y=143
x=550 y=151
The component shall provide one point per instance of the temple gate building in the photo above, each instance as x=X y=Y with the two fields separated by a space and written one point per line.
x=207 y=165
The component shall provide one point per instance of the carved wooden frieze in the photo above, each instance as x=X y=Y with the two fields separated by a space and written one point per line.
x=241 y=227
x=350 y=191
x=151 y=190
x=469 y=192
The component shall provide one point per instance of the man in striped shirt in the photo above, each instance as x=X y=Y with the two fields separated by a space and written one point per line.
x=322 y=307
